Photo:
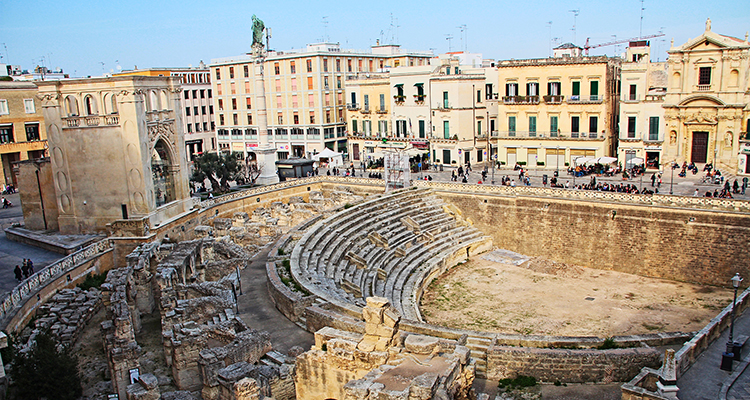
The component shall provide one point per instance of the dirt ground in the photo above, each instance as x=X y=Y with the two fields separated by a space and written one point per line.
x=544 y=297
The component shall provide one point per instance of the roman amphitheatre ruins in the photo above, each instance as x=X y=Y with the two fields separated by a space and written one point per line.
x=412 y=294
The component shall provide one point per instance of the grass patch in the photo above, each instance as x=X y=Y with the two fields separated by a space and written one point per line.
x=285 y=275
x=609 y=343
x=281 y=251
x=348 y=206
x=93 y=281
x=519 y=382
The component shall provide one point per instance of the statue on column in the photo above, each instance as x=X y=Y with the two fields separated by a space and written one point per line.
x=258 y=28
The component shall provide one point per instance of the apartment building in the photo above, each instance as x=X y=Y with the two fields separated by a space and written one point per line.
x=23 y=134
x=439 y=109
x=305 y=96
x=641 y=122
x=706 y=105
x=198 y=118
x=551 y=111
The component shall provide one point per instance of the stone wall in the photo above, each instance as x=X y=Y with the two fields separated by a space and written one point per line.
x=690 y=245
x=39 y=206
x=573 y=366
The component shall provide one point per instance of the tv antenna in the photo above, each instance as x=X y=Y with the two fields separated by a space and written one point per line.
x=449 y=37
x=325 y=29
x=575 y=19
x=549 y=25
x=640 y=31
x=103 y=71
x=464 y=38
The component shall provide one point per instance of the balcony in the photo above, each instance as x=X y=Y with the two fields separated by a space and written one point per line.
x=554 y=99
x=352 y=106
x=419 y=98
x=546 y=135
x=521 y=99
x=704 y=88
x=594 y=99
x=444 y=106
x=399 y=99
x=91 y=121
x=381 y=110
x=631 y=98
x=365 y=109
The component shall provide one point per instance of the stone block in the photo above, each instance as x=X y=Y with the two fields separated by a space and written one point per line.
x=420 y=344
x=382 y=343
x=391 y=318
x=368 y=343
x=148 y=381
x=372 y=315
x=222 y=224
x=423 y=386
x=377 y=302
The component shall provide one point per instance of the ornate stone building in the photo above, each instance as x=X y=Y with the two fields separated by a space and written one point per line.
x=707 y=101
x=117 y=151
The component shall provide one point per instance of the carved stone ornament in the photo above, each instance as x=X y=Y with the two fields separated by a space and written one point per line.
x=701 y=118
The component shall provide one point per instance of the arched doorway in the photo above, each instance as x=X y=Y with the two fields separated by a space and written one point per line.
x=161 y=169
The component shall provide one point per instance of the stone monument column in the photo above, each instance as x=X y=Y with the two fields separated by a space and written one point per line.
x=265 y=152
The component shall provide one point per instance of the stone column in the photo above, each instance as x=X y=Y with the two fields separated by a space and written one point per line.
x=265 y=152
x=667 y=384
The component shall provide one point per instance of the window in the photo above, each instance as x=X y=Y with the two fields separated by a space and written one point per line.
x=205 y=126
x=633 y=93
x=312 y=117
x=249 y=119
x=594 y=90
x=704 y=76
x=6 y=134
x=446 y=156
x=246 y=70
x=532 y=89
x=349 y=65
x=248 y=103
x=187 y=111
x=479 y=127
x=309 y=65
x=401 y=128
x=309 y=82
x=479 y=155
x=575 y=125
x=234 y=104
x=631 y=127
x=203 y=110
x=576 y=89
x=653 y=128
x=221 y=119
x=203 y=93
x=197 y=127
x=338 y=65
x=366 y=99
x=292 y=67
x=235 y=121
x=276 y=68
x=195 y=110
x=354 y=126
x=593 y=124
x=218 y=74
x=445 y=100
x=512 y=125
x=553 y=125
x=446 y=130
x=338 y=82
x=479 y=96
x=382 y=102
x=32 y=132
x=233 y=88
x=210 y=108
x=3 y=107
x=511 y=89
x=532 y=125
x=488 y=91
x=325 y=65
x=296 y=119
x=553 y=88
x=28 y=105
x=325 y=82
x=421 y=129
x=209 y=93
x=187 y=95
x=231 y=75
x=195 y=93
x=189 y=128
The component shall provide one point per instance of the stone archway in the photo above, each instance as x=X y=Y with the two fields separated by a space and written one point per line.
x=162 y=168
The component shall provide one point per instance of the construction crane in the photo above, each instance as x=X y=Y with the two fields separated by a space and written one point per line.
x=587 y=46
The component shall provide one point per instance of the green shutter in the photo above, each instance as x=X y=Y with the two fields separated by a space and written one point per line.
x=553 y=125
x=354 y=126
x=653 y=128
x=512 y=125
x=445 y=99
x=532 y=124
x=576 y=88
x=446 y=130
x=594 y=88
x=421 y=129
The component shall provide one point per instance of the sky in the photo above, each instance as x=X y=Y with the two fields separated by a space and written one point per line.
x=93 y=38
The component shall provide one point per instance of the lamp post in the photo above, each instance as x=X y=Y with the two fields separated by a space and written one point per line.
x=733 y=349
x=671 y=179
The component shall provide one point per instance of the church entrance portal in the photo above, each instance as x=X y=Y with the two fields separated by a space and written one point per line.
x=700 y=147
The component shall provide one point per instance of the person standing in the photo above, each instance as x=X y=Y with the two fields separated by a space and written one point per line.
x=30 y=264
x=653 y=179
x=17 y=271
x=25 y=269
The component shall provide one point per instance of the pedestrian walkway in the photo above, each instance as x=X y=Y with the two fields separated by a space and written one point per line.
x=704 y=379
x=258 y=311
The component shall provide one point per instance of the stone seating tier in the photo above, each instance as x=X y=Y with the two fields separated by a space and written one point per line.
x=320 y=262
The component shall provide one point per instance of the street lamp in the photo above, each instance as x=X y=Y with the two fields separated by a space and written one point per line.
x=733 y=349
x=671 y=180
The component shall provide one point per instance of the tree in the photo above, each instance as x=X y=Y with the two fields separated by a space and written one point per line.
x=218 y=168
x=45 y=372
